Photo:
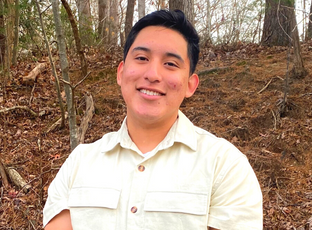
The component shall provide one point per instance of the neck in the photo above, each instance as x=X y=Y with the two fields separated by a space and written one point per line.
x=147 y=136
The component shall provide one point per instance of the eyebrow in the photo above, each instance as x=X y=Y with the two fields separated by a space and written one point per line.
x=168 y=54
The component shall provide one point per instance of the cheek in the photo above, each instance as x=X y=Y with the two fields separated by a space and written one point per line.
x=175 y=85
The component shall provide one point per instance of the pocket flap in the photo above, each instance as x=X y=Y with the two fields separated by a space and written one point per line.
x=191 y=203
x=94 y=197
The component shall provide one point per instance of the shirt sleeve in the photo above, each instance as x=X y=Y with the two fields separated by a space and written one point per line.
x=236 y=200
x=58 y=191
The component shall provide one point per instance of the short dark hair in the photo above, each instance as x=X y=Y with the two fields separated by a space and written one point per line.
x=174 y=20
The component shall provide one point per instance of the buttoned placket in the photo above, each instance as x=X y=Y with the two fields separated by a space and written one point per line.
x=137 y=196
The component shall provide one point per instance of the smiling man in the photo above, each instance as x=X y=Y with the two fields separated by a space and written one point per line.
x=158 y=171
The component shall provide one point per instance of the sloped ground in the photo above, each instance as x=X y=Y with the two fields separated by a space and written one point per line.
x=240 y=103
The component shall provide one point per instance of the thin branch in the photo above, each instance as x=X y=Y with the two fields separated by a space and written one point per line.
x=19 y=107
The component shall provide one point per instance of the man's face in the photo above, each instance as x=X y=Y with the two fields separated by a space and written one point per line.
x=155 y=78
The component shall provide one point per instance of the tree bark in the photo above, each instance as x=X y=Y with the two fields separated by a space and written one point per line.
x=113 y=23
x=129 y=17
x=309 y=31
x=64 y=66
x=141 y=8
x=87 y=117
x=298 y=70
x=85 y=22
x=2 y=34
x=208 y=24
x=83 y=62
x=103 y=15
x=16 y=34
x=187 y=6
x=277 y=22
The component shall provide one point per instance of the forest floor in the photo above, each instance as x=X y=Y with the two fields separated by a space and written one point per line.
x=240 y=101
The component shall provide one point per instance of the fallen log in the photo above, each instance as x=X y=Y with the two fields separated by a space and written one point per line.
x=86 y=118
x=17 y=179
x=31 y=78
x=3 y=175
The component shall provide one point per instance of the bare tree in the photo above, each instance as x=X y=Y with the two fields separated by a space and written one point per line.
x=83 y=62
x=113 y=22
x=64 y=66
x=309 y=31
x=85 y=20
x=208 y=23
x=129 y=17
x=16 y=33
x=298 y=68
x=57 y=82
x=187 y=6
x=103 y=15
x=141 y=8
x=2 y=34
x=277 y=22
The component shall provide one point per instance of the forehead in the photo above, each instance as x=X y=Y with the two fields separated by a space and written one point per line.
x=160 y=35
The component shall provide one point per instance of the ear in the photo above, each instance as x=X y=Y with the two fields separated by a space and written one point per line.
x=119 y=72
x=192 y=85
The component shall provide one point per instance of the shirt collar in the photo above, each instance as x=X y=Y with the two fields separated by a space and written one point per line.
x=182 y=131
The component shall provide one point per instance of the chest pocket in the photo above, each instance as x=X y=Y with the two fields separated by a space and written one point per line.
x=176 y=210
x=98 y=204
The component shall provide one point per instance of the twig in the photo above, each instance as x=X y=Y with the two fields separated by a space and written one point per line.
x=57 y=123
x=19 y=107
x=76 y=85
x=267 y=85
x=81 y=80
x=306 y=94
x=275 y=120
x=32 y=94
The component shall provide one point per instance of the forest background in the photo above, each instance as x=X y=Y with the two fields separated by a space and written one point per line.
x=58 y=67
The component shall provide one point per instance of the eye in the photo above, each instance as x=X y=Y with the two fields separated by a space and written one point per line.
x=141 y=58
x=171 y=64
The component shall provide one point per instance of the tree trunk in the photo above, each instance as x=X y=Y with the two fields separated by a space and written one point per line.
x=187 y=6
x=103 y=15
x=129 y=17
x=298 y=70
x=64 y=66
x=9 y=25
x=309 y=31
x=85 y=22
x=16 y=35
x=83 y=62
x=2 y=34
x=277 y=22
x=114 y=22
x=141 y=8
x=208 y=24
x=57 y=82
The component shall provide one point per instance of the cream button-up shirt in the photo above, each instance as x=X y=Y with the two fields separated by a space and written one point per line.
x=191 y=180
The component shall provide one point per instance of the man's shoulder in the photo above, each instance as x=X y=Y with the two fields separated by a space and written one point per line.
x=217 y=146
x=105 y=143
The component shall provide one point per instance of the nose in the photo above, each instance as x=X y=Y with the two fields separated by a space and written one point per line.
x=153 y=73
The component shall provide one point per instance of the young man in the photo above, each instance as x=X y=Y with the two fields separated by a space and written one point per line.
x=158 y=171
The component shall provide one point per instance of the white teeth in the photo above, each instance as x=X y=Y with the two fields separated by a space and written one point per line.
x=151 y=93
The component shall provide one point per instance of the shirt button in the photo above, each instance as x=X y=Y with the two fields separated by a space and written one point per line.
x=141 y=168
x=134 y=209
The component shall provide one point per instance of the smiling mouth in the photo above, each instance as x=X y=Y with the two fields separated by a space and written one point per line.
x=150 y=93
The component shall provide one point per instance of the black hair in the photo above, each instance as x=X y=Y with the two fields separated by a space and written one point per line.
x=174 y=20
